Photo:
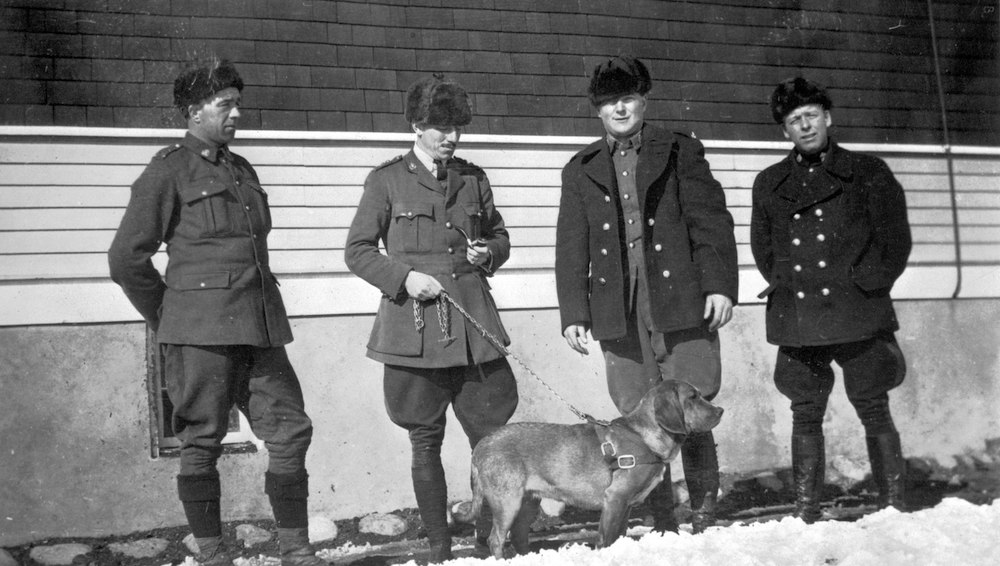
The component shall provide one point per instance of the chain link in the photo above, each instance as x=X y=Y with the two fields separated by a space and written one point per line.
x=499 y=345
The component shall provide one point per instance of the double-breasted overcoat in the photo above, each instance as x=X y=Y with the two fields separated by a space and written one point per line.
x=688 y=242
x=831 y=240
x=415 y=217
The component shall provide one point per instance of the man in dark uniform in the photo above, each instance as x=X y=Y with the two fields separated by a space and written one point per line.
x=435 y=215
x=217 y=313
x=830 y=235
x=646 y=262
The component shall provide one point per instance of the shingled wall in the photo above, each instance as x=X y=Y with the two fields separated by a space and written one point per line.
x=341 y=65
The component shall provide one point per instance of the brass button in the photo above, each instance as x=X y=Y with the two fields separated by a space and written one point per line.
x=631 y=244
x=607 y=198
x=666 y=273
x=204 y=193
x=202 y=284
x=797 y=268
x=797 y=216
x=409 y=214
x=825 y=291
x=819 y=212
x=602 y=281
x=454 y=276
x=658 y=247
x=624 y=173
x=820 y=237
x=631 y=220
x=604 y=251
x=447 y=224
x=796 y=242
x=800 y=295
x=625 y=196
x=651 y=222
x=821 y=264
x=606 y=226
x=451 y=250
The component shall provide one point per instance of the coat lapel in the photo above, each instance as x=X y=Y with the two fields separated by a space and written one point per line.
x=598 y=166
x=654 y=158
x=424 y=177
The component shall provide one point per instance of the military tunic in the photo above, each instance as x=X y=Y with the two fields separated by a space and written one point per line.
x=414 y=216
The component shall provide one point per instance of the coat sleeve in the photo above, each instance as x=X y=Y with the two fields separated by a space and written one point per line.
x=884 y=261
x=143 y=228
x=710 y=226
x=494 y=229
x=572 y=253
x=761 y=244
x=369 y=227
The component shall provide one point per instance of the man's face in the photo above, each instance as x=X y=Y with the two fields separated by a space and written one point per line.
x=622 y=117
x=214 y=120
x=439 y=142
x=806 y=127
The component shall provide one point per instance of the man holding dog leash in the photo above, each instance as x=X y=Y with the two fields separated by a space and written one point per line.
x=443 y=237
x=646 y=263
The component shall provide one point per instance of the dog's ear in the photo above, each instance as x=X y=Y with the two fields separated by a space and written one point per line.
x=669 y=409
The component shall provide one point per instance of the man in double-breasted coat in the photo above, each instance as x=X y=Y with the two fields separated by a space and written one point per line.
x=646 y=263
x=829 y=233
x=217 y=312
x=435 y=215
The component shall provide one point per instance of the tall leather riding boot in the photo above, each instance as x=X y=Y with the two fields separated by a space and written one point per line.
x=808 y=471
x=888 y=469
x=431 y=492
x=701 y=472
x=661 y=504
x=289 y=494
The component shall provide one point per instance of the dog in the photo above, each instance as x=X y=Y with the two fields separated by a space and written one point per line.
x=590 y=466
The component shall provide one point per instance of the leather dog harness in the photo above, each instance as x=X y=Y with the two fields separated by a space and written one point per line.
x=622 y=447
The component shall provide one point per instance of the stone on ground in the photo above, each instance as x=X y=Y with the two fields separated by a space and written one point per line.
x=58 y=554
x=383 y=524
x=252 y=535
x=143 y=548
x=321 y=529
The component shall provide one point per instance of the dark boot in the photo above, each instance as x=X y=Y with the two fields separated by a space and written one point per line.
x=808 y=471
x=701 y=472
x=200 y=495
x=289 y=494
x=888 y=469
x=661 y=504
x=431 y=492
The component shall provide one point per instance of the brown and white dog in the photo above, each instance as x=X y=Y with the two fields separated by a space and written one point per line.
x=589 y=466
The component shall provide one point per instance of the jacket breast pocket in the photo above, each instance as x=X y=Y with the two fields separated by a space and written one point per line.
x=412 y=227
x=208 y=201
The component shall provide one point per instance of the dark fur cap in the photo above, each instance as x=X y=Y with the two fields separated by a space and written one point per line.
x=792 y=93
x=437 y=101
x=617 y=77
x=202 y=80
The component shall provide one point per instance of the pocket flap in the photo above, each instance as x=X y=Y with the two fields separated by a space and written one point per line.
x=413 y=209
x=196 y=281
x=201 y=188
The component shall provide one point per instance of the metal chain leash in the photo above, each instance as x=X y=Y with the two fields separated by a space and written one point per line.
x=499 y=346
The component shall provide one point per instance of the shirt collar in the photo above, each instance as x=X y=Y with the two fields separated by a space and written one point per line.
x=634 y=141
x=424 y=157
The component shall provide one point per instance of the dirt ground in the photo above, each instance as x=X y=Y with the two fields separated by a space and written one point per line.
x=744 y=499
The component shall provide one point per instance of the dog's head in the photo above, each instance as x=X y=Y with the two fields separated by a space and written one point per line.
x=680 y=408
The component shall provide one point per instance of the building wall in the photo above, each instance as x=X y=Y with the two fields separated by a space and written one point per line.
x=342 y=65
x=74 y=420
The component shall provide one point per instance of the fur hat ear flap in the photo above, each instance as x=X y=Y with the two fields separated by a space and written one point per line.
x=795 y=92
x=617 y=77
x=437 y=101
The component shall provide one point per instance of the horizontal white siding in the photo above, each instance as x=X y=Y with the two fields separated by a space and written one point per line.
x=62 y=194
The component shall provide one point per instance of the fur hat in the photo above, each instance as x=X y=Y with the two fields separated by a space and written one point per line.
x=792 y=93
x=617 y=77
x=202 y=80
x=438 y=102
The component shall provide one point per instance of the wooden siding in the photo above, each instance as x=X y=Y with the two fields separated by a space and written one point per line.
x=62 y=197
x=343 y=65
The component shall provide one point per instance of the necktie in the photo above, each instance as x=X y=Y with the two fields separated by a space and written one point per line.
x=440 y=170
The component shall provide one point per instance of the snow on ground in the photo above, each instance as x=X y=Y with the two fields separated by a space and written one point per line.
x=955 y=533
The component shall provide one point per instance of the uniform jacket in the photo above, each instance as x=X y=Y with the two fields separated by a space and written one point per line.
x=218 y=288
x=687 y=239
x=406 y=209
x=830 y=245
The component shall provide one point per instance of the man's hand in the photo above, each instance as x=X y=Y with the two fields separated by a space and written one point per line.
x=421 y=286
x=477 y=253
x=576 y=337
x=718 y=311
